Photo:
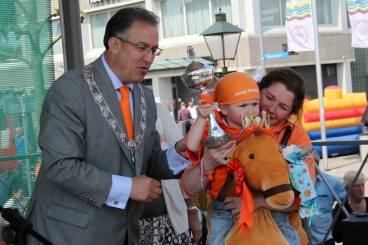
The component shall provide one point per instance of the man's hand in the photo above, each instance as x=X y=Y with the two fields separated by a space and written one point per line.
x=145 y=189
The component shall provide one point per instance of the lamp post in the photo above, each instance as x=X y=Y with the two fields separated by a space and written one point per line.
x=225 y=35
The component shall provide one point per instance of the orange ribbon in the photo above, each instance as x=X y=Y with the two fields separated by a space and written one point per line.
x=242 y=190
x=238 y=173
x=246 y=214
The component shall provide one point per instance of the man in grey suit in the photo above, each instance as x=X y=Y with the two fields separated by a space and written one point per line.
x=93 y=179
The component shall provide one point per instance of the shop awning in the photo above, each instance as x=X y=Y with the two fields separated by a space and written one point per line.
x=178 y=63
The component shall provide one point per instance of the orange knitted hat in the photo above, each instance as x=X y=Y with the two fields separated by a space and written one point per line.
x=235 y=87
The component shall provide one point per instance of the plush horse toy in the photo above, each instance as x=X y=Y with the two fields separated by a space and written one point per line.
x=259 y=166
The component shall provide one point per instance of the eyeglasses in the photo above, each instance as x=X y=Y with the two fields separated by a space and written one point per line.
x=144 y=49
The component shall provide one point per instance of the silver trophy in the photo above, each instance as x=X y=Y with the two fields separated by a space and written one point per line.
x=198 y=76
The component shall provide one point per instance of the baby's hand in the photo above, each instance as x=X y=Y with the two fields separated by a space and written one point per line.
x=204 y=110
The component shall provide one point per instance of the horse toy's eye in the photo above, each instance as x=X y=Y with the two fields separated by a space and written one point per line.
x=251 y=156
x=280 y=151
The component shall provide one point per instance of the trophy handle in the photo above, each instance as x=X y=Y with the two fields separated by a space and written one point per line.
x=204 y=95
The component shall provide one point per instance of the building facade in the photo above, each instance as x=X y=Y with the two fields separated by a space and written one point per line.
x=183 y=20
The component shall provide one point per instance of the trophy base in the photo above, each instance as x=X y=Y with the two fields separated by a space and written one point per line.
x=217 y=141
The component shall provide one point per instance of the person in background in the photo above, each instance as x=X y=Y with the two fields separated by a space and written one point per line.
x=100 y=148
x=6 y=187
x=15 y=200
x=185 y=116
x=169 y=219
x=20 y=141
x=356 y=202
x=193 y=110
x=166 y=103
x=322 y=212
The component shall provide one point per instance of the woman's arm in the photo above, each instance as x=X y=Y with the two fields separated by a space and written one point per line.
x=234 y=204
x=260 y=202
x=300 y=137
x=195 y=225
x=212 y=158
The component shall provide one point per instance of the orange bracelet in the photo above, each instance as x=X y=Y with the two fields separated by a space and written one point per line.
x=209 y=174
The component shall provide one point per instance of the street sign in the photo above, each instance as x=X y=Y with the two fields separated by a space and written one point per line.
x=276 y=55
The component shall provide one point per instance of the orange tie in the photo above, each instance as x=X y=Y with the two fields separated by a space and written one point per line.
x=125 y=109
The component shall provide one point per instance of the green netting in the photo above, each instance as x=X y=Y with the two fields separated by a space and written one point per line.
x=26 y=72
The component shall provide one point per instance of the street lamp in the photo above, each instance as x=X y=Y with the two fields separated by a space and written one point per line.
x=225 y=35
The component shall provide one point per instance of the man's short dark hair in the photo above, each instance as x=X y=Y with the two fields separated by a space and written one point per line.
x=123 y=20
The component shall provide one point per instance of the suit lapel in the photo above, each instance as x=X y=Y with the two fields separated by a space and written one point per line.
x=108 y=91
x=137 y=120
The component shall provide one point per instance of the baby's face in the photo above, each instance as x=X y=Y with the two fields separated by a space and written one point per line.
x=234 y=111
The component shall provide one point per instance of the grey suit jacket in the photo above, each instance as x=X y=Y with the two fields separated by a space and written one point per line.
x=79 y=154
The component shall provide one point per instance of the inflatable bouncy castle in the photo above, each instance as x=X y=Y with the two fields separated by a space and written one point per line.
x=343 y=113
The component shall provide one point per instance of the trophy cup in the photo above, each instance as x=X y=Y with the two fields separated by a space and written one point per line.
x=198 y=76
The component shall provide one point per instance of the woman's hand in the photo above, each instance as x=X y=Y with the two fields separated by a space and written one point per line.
x=260 y=202
x=234 y=204
x=212 y=158
x=195 y=225
x=217 y=156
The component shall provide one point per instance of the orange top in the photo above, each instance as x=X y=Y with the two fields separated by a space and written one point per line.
x=298 y=137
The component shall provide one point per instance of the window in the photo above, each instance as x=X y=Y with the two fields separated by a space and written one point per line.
x=56 y=31
x=187 y=17
x=98 y=24
x=197 y=20
x=26 y=74
x=172 y=18
x=273 y=12
x=324 y=13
